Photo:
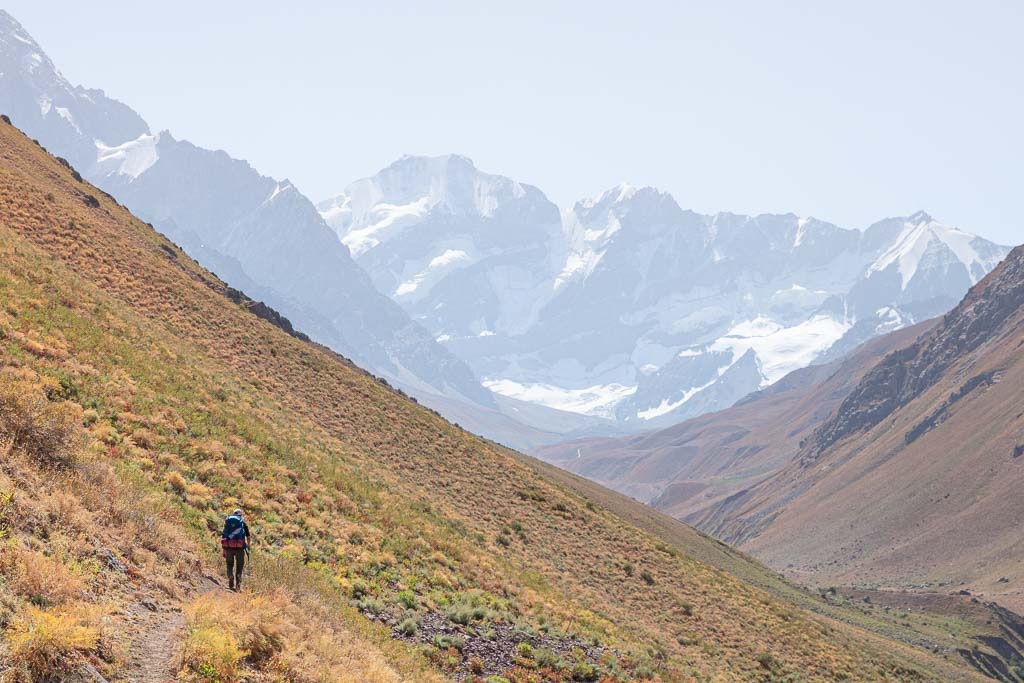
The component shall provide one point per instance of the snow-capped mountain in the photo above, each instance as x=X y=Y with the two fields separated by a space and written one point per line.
x=633 y=308
x=259 y=234
x=434 y=274
x=467 y=254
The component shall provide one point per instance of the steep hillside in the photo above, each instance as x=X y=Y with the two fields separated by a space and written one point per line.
x=380 y=528
x=690 y=466
x=913 y=481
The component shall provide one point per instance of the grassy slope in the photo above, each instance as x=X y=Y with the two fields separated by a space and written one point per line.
x=352 y=488
x=947 y=625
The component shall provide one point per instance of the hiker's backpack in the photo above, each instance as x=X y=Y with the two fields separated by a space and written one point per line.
x=233 y=535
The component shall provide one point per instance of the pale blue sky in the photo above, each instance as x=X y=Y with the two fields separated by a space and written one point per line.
x=846 y=111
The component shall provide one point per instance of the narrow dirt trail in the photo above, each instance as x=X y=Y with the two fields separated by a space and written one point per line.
x=159 y=630
x=156 y=646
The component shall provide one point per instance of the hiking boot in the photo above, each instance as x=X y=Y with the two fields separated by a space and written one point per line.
x=231 y=584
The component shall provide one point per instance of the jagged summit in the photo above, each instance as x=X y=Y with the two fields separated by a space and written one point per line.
x=374 y=209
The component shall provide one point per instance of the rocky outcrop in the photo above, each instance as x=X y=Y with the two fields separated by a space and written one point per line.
x=265 y=312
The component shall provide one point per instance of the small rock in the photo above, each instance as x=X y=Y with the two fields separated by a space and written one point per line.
x=149 y=605
x=90 y=673
x=112 y=562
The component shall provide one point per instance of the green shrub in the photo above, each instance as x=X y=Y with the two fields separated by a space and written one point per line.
x=407 y=599
x=460 y=615
x=525 y=650
x=447 y=641
x=372 y=605
x=584 y=671
x=408 y=627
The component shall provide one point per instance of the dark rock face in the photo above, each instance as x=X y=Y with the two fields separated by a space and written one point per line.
x=906 y=374
x=936 y=416
x=261 y=310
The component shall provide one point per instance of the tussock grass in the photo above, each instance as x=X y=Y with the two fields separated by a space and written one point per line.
x=235 y=636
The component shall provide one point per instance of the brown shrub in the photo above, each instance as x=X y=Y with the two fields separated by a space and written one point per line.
x=43 y=579
x=49 y=432
x=177 y=481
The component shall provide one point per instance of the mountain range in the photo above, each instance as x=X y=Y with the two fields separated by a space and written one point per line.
x=627 y=306
x=479 y=296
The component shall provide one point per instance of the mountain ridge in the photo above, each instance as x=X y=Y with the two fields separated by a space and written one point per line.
x=623 y=310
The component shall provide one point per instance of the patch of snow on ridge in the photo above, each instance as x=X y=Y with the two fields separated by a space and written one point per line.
x=66 y=115
x=597 y=400
x=801 y=224
x=961 y=244
x=133 y=158
x=282 y=186
x=407 y=287
x=448 y=257
x=667 y=406
x=384 y=216
x=780 y=350
x=580 y=263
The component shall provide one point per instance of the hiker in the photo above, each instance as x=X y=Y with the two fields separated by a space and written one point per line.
x=235 y=542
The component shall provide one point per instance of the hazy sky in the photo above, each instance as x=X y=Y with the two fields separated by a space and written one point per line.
x=849 y=112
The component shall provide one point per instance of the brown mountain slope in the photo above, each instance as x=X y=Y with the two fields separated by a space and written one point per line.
x=690 y=466
x=915 y=481
x=363 y=503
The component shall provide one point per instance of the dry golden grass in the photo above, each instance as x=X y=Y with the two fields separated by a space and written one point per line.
x=268 y=637
x=193 y=406
x=43 y=579
x=42 y=645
